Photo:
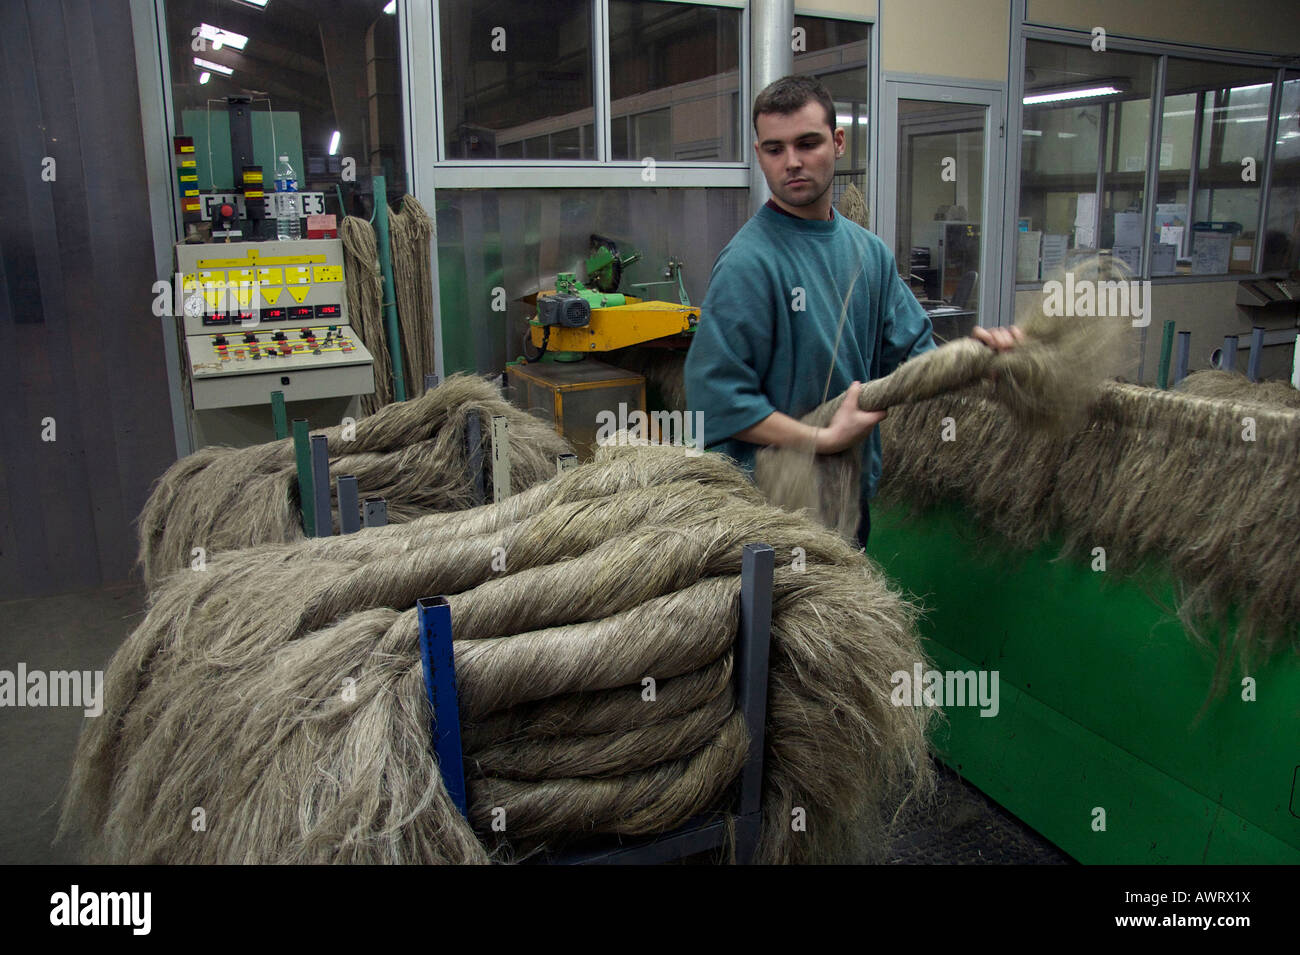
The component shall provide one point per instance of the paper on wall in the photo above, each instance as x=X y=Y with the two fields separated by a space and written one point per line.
x=1210 y=252
x=1054 y=249
x=1027 y=250
x=1128 y=229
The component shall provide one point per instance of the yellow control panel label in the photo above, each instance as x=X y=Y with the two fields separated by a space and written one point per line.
x=297 y=274
x=212 y=278
x=242 y=275
x=274 y=276
x=299 y=292
x=328 y=273
x=271 y=295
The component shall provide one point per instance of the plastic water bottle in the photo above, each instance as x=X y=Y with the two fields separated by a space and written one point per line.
x=287 y=225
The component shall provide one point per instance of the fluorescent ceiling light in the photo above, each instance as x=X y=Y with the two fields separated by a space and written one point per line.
x=260 y=4
x=1090 y=91
x=220 y=37
x=204 y=76
x=390 y=6
x=334 y=143
x=209 y=65
x=1031 y=132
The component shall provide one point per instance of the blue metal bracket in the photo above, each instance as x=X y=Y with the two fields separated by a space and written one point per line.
x=320 y=485
x=1256 y=352
x=376 y=512
x=1182 y=356
x=1228 y=361
x=440 y=686
x=349 y=509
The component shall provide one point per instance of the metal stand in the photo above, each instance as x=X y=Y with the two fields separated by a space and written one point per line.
x=474 y=452
x=440 y=687
x=376 y=512
x=302 y=455
x=1256 y=352
x=1183 y=355
x=320 y=485
x=349 y=509
x=700 y=834
x=279 y=416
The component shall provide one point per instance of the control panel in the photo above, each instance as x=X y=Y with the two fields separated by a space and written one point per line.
x=269 y=316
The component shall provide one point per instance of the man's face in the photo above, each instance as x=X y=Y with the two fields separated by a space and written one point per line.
x=797 y=152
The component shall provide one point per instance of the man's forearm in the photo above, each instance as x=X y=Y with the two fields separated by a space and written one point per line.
x=782 y=431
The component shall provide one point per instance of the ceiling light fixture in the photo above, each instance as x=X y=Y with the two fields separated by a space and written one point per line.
x=215 y=67
x=1086 y=93
x=219 y=37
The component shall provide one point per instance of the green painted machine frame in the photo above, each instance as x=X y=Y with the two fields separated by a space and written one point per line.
x=1104 y=703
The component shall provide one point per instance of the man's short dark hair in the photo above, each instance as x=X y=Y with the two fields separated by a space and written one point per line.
x=790 y=94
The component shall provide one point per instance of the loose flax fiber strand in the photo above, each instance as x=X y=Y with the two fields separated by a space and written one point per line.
x=411 y=453
x=618 y=570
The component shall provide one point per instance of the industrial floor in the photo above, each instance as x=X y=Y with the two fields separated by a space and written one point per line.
x=81 y=631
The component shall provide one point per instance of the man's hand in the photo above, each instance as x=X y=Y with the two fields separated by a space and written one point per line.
x=849 y=425
x=999 y=339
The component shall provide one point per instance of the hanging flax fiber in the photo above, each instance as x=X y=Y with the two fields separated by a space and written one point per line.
x=1045 y=383
x=303 y=731
x=412 y=453
x=365 y=289
x=852 y=205
x=1207 y=487
x=411 y=231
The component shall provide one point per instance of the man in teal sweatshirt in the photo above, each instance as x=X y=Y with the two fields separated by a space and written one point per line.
x=766 y=344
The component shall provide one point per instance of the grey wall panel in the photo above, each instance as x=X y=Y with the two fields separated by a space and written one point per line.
x=77 y=339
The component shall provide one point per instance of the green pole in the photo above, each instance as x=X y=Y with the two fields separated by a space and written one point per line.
x=306 y=492
x=279 y=417
x=390 y=296
x=1166 y=350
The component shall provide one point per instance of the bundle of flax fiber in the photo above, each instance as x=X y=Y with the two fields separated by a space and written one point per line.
x=1233 y=386
x=1045 y=384
x=365 y=290
x=411 y=453
x=618 y=570
x=1209 y=488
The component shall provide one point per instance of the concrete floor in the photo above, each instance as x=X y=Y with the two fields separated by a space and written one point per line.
x=82 y=631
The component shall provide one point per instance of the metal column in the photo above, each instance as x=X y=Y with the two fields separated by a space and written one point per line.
x=771 y=57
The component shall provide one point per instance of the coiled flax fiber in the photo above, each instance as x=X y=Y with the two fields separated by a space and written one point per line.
x=618 y=570
x=411 y=453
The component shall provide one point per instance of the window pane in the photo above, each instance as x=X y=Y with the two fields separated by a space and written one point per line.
x=513 y=72
x=1086 y=118
x=1282 y=237
x=838 y=53
x=318 y=78
x=674 y=69
x=518 y=239
x=1215 y=233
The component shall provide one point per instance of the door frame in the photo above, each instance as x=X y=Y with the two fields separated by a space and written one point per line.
x=993 y=311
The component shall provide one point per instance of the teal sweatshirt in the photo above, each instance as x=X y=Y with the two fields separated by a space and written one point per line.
x=766 y=336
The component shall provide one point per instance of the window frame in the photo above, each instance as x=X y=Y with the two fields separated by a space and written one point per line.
x=600 y=172
x=1162 y=51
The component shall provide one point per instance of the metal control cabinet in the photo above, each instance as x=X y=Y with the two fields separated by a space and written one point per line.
x=269 y=316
